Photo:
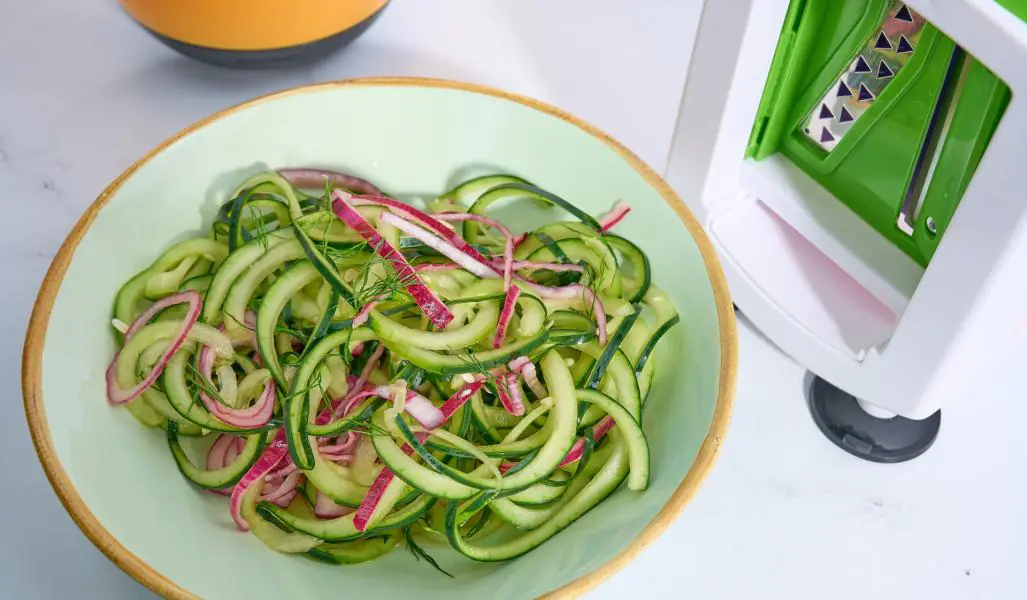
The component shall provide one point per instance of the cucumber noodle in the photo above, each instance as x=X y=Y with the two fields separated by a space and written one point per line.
x=353 y=371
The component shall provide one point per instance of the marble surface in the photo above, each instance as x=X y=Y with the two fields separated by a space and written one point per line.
x=83 y=92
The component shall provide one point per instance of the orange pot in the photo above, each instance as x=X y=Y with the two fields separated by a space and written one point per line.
x=245 y=33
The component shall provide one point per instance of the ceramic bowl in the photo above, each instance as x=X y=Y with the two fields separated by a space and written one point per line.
x=411 y=136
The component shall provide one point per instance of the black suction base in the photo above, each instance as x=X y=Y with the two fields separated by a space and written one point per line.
x=889 y=440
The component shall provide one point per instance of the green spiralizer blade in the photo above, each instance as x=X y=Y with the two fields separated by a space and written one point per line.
x=882 y=110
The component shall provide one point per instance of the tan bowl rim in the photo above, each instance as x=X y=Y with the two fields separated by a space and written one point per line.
x=145 y=574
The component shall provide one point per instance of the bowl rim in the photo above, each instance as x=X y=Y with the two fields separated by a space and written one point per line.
x=35 y=338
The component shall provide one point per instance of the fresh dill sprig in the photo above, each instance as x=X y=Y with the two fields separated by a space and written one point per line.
x=420 y=553
x=260 y=225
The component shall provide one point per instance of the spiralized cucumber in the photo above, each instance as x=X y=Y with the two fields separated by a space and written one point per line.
x=353 y=371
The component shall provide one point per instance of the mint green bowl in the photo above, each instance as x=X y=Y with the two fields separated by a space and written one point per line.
x=117 y=479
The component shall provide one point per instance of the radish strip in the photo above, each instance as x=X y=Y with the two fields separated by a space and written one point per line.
x=510 y=403
x=274 y=454
x=506 y=315
x=118 y=396
x=430 y=305
x=313 y=179
x=620 y=210
x=373 y=497
x=602 y=428
x=453 y=404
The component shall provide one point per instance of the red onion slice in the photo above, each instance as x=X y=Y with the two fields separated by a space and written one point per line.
x=244 y=418
x=418 y=407
x=620 y=210
x=325 y=508
x=287 y=486
x=430 y=304
x=313 y=179
x=118 y=396
x=216 y=453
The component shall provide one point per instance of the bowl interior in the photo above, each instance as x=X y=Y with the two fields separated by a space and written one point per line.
x=412 y=138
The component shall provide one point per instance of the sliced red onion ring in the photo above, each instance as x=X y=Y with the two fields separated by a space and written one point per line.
x=372 y=363
x=430 y=304
x=285 y=488
x=325 y=508
x=274 y=454
x=418 y=407
x=216 y=453
x=509 y=303
x=518 y=363
x=244 y=418
x=313 y=179
x=287 y=499
x=424 y=218
x=466 y=261
x=620 y=210
x=119 y=396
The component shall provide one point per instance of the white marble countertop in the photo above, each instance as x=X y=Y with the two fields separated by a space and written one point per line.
x=786 y=515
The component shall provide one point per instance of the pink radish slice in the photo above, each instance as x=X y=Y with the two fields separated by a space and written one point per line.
x=602 y=428
x=506 y=315
x=118 y=396
x=506 y=399
x=430 y=304
x=313 y=179
x=461 y=396
x=372 y=499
